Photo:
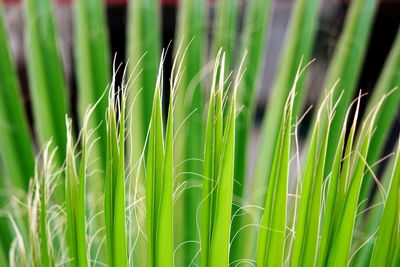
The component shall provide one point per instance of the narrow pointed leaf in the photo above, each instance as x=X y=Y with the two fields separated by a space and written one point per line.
x=154 y=174
x=219 y=247
x=164 y=241
x=271 y=237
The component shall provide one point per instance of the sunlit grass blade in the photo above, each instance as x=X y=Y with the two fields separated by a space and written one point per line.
x=220 y=240
x=298 y=46
x=225 y=30
x=338 y=186
x=114 y=199
x=143 y=51
x=271 y=236
x=154 y=173
x=345 y=173
x=46 y=76
x=310 y=205
x=71 y=185
x=110 y=175
x=212 y=155
x=347 y=62
x=388 y=234
x=92 y=68
x=340 y=250
x=75 y=189
x=208 y=184
x=164 y=240
x=331 y=209
x=120 y=250
x=15 y=141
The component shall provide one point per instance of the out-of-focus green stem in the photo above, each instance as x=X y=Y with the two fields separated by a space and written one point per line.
x=93 y=68
x=15 y=141
x=46 y=77
x=189 y=114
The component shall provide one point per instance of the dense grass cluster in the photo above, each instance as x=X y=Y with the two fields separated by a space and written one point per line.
x=149 y=181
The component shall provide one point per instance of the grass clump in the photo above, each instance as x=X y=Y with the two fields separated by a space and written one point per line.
x=315 y=226
x=152 y=180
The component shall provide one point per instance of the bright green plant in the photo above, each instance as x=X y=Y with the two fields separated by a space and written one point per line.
x=131 y=190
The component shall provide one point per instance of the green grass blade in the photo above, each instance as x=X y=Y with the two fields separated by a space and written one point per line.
x=338 y=187
x=112 y=178
x=298 y=45
x=15 y=141
x=154 y=170
x=208 y=184
x=71 y=197
x=301 y=220
x=212 y=155
x=388 y=234
x=271 y=237
x=331 y=206
x=347 y=62
x=92 y=67
x=143 y=51
x=46 y=76
x=218 y=127
x=219 y=246
x=120 y=258
x=44 y=239
x=164 y=241
x=75 y=189
x=308 y=219
x=81 y=199
x=345 y=174
x=340 y=250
